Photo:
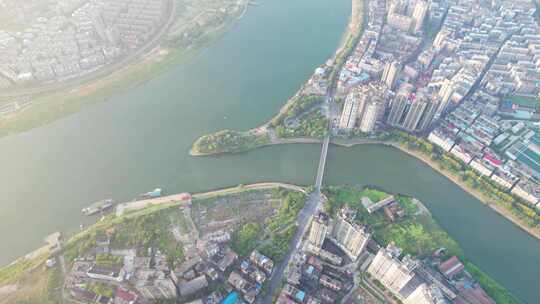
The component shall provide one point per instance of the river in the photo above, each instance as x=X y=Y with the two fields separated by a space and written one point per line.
x=140 y=140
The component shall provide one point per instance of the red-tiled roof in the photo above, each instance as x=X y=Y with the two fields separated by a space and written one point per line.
x=125 y=295
x=451 y=267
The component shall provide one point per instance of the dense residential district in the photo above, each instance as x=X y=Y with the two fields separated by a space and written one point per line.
x=215 y=249
x=49 y=42
x=464 y=74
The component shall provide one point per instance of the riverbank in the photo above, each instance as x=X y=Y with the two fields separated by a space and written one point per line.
x=49 y=106
x=446 y=173
x=474 y=192
x=486 y=200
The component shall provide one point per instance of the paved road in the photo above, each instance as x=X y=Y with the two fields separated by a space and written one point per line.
x=314 y=201
x=322 y=164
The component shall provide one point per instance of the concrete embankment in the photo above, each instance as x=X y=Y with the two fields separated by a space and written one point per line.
x=186 y=197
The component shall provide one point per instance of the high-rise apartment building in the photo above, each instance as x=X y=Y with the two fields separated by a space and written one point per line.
x=428 y=115
x=414 y=115
x=349 y=236
x=364 y=106
x=419 y=14
x=352 y=107
x=426 y=294
x=446 y=92
x=399 y=107
x=318 y=230
x=393 y=273
x=371 y=113
x=390 y=73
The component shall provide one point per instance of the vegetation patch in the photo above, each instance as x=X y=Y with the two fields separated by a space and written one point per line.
x=227 y=141
x=152 y=231
x=312 y=125
x=14 y=272
x=273 y=238
x=38 y=286
x=108 y=260
x=101 y=288
x=245 y=238
x=297 y=106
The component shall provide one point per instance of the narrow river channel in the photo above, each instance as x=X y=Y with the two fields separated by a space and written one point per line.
x=140 y=140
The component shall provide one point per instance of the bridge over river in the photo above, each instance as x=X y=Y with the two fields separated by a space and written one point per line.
x=313 y=203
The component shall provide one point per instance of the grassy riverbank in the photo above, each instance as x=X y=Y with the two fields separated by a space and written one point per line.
x=228 y=141
x=417 y=233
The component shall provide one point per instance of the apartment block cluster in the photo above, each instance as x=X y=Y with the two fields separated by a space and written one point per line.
x=480 y=44
x=415 y=282
x=364 y=106
x=383 y=42
x=75 y=38
x=516 y=68
x=317 y=275
x=378 y=64
x=337 y=250
x=446 y=72
x=503 y=151
x=483 y=52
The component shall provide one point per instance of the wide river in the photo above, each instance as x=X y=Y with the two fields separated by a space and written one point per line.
x=140 y=140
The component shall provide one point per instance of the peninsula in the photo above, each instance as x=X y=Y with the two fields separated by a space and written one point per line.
x=425 y=80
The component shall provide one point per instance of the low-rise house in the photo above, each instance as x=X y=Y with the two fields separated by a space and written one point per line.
x=191 y=287
x=373 y=207
x=294 y=293
x=227 y=259
x=123 y=296
x=249 y=291
x=331 y=283
x=262 y=261
x=451 y=267
x=252 y=272
x=83 y=295
x=157 y=289
x=106 y=273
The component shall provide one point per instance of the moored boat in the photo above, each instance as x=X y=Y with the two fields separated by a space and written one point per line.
x=152 y=194
x=98 y=207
